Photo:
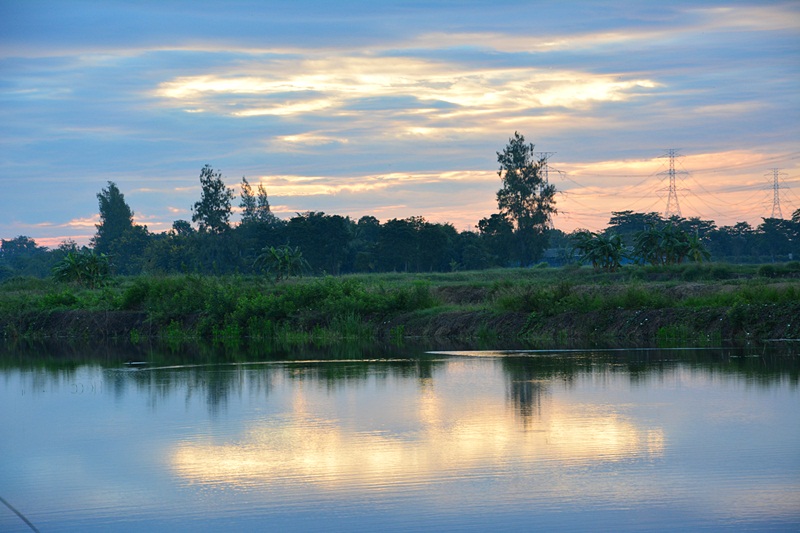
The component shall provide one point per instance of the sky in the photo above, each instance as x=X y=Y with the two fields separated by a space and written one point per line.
x=395 y=109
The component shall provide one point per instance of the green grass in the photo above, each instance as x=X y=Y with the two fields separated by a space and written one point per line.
x=331 y=309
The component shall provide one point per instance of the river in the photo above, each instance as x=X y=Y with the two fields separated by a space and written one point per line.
x=403 y=440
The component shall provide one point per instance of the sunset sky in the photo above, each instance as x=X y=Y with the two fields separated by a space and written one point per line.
x=394 y=109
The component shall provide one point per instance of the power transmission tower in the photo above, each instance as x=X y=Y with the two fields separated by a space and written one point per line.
x=673 y=207
x=776 y=196
x=544 y=157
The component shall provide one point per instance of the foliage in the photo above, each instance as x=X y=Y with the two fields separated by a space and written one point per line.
x=497 y=232
x=22 y=256
x=526 y=198
x=356 y=306
x=213 y=211
x=84 y=268
x=116 y=218
x=255 y=207
x=602 y=251
x=282 y=262
x=669 y=245
x=324 y=239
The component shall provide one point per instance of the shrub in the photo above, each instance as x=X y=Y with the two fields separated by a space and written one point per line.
x=58 y=299
x=767 y=271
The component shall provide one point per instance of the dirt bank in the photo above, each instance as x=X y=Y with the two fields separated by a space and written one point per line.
x=647 y=326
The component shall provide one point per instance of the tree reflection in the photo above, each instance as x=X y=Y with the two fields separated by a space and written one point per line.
x=215 y=373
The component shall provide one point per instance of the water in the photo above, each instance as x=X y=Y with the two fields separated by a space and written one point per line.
x=467 y=441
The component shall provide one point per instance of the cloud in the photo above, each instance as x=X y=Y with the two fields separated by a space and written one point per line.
x=438 y=89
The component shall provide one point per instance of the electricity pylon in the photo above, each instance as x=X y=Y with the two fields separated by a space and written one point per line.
x=673 y=207
x=544 y=157
x=776 y=195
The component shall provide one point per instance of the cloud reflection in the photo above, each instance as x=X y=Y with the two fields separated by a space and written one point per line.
x=308 y=447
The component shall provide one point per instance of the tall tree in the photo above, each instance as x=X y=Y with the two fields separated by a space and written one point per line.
x=116 y=218
x=213 y=212
x=526 y=198
x=255 y=207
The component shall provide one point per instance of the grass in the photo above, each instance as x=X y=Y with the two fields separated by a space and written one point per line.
x=331 y=309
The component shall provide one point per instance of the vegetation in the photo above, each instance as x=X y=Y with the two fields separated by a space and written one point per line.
x=518 y=235
x=282 y=262
x=213 y=211
x=526 y=199
x=651 y=281
x=602 y=251
x=668 y=245
x=692 y=302
x=83 y=268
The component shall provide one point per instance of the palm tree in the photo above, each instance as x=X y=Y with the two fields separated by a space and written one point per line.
x=670 y=245
x=84 y=268
x=283 y=261
x=697 y=250
x=602 y=251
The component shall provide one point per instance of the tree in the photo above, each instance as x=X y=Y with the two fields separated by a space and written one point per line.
x=526 y=198
x=364 y=244
x=22 y=256
x=627 y=223
x=322 y=238
x=398 y=245
x=601 y=250
x=182 y=228
x=697 y=250
x=436 y=246
x=497 y=233
x=84 y=268
x=282 y=262
x=212 y=213
x=16 y=250
x=775 y=238
x=116 y=218
x=255 y=207
x=669 y=245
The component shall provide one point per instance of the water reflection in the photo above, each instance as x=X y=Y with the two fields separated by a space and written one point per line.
x=446 y=434
x=519 y=433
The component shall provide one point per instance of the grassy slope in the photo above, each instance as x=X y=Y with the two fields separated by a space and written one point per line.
x=694 y=304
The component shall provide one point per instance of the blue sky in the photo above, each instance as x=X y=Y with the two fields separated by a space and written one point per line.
x=394 y=109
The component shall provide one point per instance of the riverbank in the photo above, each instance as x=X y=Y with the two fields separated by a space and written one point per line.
x=687 y=304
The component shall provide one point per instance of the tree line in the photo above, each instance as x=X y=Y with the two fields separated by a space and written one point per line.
x=519 y=234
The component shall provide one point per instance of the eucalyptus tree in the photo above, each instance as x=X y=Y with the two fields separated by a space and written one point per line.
x=116 y=218
x=212 y=212
x=526 y=198
x=255 y=205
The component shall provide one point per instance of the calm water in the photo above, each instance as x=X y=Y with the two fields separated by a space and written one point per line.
x=576 y=440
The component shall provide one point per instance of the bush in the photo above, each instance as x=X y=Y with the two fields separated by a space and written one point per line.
x=768 y=271
x=135 y=296
x=58 y=300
